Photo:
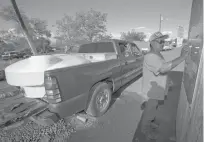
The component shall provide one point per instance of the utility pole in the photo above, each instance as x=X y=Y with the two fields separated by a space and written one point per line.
x=160 y=20
x=25 y=30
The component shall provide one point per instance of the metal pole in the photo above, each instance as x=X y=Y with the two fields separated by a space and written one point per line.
x=29 y=39
x=160 y=23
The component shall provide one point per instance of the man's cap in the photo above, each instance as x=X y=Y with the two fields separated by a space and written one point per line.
x=157 y=35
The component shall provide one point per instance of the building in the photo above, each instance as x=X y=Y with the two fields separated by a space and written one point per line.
x=180 y=32
x=180 y=36
x=189 y=121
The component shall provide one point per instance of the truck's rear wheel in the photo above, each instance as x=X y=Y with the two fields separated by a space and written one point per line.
x=100 y=101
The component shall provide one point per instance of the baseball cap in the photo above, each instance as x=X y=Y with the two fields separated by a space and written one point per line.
x=157 y=35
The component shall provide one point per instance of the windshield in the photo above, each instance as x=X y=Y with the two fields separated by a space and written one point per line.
x=100 y=47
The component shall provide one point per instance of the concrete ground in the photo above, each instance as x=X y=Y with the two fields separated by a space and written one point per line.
x=167 y=114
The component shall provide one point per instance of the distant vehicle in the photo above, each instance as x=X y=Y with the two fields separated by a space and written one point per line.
x=174 y=43
x=169 y=47
x=14 y=54
x=9 y=55
x=25 y=53
x=6 y=56
x=144 y=50
x=26 y=56
x=20 y=55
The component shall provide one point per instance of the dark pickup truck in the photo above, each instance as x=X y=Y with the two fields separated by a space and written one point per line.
x=69 y=83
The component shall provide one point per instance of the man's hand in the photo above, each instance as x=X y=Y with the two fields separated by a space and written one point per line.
x=185 y=51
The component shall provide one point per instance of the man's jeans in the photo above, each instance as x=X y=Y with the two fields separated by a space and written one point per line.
x=149 y=114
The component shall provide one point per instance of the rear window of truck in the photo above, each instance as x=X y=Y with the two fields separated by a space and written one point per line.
x=101 y=47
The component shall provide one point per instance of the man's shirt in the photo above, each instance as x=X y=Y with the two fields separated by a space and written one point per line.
x=153 y=83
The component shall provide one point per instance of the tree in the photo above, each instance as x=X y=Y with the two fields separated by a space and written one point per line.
x=36 y=27
x=43 y=45
x=91 y=23
x=8 y=14
x=133 y=36
x=68 y=30
x=83 y=27
x=103 y=37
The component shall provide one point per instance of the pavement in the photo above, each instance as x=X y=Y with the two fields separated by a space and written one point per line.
x=167 y=114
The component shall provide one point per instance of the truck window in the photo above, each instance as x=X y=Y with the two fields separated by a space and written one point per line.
x=99 y=47
x=125 y=49
x=135 y=49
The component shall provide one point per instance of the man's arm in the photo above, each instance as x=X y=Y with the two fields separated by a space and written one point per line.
x=168 y=66
x=157 y=66
x=172 y=64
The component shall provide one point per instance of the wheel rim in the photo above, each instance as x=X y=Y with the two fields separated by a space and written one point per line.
x=102 y=100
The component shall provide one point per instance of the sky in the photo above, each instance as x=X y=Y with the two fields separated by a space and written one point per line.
x=123 y=15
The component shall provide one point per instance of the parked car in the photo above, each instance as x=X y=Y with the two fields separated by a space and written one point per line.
x=5 y=56
x=20 y=55
x=70 y=83
x=169 y=47
x=174 y=43
x=25 y=53
x=14 y=54
x=9 y=55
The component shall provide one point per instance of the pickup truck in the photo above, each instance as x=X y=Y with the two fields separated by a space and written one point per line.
x=69 y=83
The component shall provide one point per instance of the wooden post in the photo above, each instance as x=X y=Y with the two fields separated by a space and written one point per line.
x=160 y=23
x=29 y=39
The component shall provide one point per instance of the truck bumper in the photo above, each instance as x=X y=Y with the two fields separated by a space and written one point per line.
x=70 y=106
x=55 y=112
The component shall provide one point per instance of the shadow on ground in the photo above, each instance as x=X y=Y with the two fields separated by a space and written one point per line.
x=119 y=92
x=166 y=113
x=119 y=122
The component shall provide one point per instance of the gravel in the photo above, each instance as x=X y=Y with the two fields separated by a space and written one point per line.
x=29 y=131
x=32 y=132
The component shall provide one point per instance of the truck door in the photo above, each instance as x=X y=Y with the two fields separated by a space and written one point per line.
x=127 y=62
x=138 y=55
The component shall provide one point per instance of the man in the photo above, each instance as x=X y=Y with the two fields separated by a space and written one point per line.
x=155 y=80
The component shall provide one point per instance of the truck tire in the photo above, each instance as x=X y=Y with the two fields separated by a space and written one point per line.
x=100 y=100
